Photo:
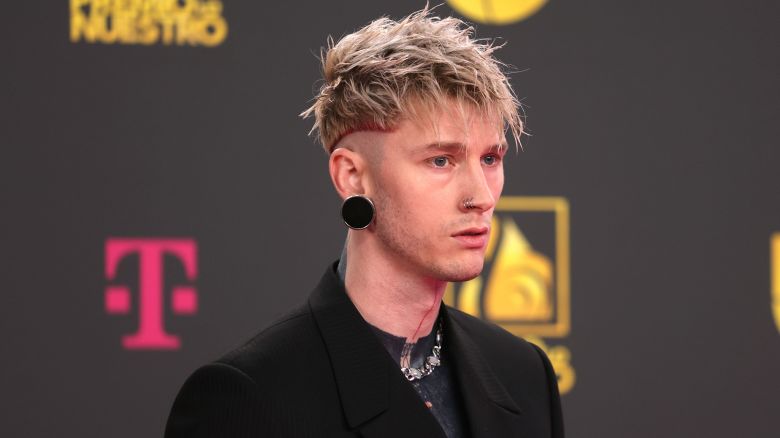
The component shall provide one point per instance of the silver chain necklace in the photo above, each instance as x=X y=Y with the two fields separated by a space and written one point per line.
x=431 y=361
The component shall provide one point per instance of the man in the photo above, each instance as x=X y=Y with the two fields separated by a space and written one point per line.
x=413 y=114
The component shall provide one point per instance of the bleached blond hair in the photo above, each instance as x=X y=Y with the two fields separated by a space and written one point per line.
x=389 y=70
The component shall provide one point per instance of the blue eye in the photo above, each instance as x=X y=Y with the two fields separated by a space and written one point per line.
x=490 y=160
x=440 y=161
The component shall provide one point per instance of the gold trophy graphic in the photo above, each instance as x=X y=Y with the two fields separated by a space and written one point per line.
x=522 y=289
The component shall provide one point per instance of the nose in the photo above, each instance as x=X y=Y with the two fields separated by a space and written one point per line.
x=476 y=190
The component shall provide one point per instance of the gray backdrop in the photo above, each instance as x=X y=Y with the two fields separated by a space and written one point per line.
x=654 y=120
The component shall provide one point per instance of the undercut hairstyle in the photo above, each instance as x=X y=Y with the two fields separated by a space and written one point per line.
x=389 y=70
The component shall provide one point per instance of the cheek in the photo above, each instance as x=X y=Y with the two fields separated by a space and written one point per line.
x=496 y=182
x=416 y=214
x=406 y=190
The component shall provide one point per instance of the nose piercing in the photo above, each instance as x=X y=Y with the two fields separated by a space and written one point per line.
x=468 y=203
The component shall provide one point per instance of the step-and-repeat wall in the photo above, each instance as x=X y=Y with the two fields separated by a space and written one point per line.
x=161 y=203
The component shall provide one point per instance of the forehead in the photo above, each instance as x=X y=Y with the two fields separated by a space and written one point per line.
x=461 y=125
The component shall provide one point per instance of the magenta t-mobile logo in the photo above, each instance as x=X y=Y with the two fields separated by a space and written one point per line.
x=151 y=334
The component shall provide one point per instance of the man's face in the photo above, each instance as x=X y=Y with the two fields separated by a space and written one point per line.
x=425 y=173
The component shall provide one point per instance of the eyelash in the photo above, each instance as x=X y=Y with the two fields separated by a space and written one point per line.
x=496 y=158
x=432 y=161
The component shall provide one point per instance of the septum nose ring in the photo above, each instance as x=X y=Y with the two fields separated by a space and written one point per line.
x=468 y=203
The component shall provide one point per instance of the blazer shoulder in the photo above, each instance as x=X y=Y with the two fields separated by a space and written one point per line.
x=292 y=338
x=216 y=400
x=262 y=388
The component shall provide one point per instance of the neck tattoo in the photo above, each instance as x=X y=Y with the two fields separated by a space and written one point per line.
x=431 y=362
x=411 y=373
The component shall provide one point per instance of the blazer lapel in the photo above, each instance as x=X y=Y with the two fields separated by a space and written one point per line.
x=375 y=397
x=490 y=409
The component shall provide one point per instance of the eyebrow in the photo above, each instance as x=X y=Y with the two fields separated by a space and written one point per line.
x=457 y=147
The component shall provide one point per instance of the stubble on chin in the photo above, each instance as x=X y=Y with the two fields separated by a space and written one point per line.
x=411 y=246
x=412 y=249
x=457 y=272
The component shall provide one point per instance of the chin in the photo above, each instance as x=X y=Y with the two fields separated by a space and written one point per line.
x=464 y=271
x=462 y=277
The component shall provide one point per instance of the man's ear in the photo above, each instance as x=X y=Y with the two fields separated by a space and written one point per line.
x=347 y=169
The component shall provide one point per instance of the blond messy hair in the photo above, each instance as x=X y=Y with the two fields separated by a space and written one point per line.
x=383 y=72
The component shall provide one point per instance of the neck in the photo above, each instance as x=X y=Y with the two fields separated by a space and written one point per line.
x=388 y=294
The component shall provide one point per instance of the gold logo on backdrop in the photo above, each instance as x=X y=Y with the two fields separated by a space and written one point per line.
x=179 y=22
x=775 y=268
x=522 y=288
x=497 y=11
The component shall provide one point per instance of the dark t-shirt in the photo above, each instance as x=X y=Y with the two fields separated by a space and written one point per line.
x=438 y=390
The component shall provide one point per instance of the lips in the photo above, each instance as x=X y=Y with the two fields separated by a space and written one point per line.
x=473 y=238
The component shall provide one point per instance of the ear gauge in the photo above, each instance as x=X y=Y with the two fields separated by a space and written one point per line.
x=358 y=212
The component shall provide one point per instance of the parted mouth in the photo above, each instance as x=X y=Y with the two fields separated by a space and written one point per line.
x=473 y=231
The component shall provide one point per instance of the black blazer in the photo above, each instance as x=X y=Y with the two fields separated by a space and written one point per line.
x=321 y=372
